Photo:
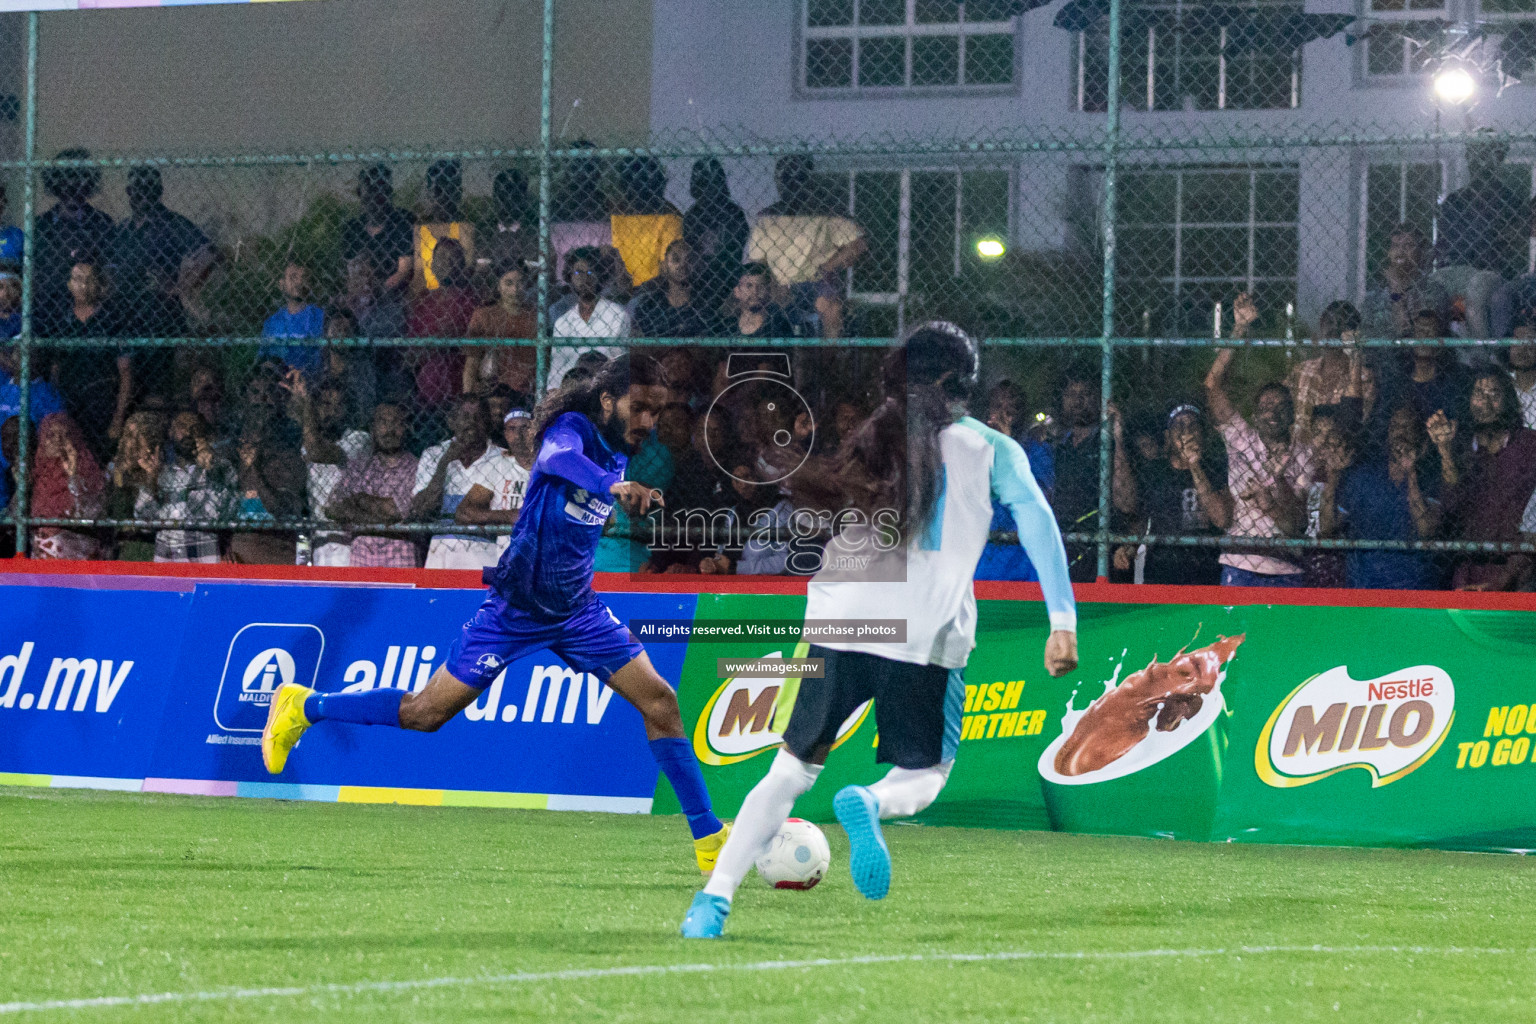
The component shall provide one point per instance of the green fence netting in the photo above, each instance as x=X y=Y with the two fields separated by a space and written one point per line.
x=335 y=358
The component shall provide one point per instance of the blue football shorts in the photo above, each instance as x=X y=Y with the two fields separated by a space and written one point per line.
x=591 y=639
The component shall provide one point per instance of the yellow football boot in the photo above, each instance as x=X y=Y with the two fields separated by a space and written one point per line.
x=285 y=724
x=707 y=849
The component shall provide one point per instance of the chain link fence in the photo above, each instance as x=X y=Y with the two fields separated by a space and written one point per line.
x=1271 y=353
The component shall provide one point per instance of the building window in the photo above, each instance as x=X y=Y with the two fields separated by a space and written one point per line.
x=1405 y=36
x=921 y=225
x=1190 y=237
x=883 y=45
x=1178 y=58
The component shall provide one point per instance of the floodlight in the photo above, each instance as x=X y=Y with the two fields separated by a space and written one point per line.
x=1454 y=85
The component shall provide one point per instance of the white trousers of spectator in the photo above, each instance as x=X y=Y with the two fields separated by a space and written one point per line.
x=332 y=554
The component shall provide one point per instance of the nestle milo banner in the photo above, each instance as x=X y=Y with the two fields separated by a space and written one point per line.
x=1370 y=726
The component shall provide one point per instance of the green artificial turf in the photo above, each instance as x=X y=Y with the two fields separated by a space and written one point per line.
x=121 y=895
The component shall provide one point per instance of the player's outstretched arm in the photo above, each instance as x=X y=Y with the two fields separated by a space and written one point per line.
x=561 y=455
x=637 y=498
x=1014 y=486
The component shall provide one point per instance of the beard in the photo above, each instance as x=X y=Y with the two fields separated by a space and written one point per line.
x=613 y=430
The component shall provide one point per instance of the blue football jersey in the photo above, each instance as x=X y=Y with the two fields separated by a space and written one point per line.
x=547 y=567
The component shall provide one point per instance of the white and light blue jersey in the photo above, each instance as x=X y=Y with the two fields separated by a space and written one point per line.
x=928 y=581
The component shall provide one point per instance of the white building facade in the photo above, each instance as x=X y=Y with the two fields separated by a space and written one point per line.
x=1198 y=221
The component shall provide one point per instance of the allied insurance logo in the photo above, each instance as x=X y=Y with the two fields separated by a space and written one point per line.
x=746 y=716
x=263 y=656
x=1387 y=726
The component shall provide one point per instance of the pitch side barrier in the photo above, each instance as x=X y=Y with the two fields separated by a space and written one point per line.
x=1326 y=717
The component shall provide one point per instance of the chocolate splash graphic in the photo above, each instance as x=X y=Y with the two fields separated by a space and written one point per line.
x=1120 y=719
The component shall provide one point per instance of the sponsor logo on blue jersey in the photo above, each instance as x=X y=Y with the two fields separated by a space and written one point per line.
x=587 y=508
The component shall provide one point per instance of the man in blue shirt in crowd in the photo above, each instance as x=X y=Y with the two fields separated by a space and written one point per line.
x=1393 y=495
x=298 y=318
x=41 y=402
x=541 y=595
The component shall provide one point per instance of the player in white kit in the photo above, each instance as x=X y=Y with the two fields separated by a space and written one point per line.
x=951 y=468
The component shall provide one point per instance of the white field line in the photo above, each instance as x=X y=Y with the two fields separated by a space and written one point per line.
x=648 y=970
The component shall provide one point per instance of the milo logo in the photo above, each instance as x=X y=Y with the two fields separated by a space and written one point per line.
x=747 y=715
x=1387 y=726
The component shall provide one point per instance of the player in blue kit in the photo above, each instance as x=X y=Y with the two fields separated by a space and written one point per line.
x=541 y=595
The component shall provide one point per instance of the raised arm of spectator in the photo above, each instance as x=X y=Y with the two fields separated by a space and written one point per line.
x=1355 y=399
x=1328 y=509
x=124 y=395
x=1442 y=433
x=1222 y=409
x=1426 y=514
x=277 y=480
x=317 y=447
x=1122 y=479
x=427 y=502
x=1215 y=501
x=1286 y=505
x=1244 y=313
x=405 y=267
x=132 y=489
x=214 y=493
x=475 y=357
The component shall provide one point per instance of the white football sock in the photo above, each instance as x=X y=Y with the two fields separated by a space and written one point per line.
x=761 y=816
x=905 y=791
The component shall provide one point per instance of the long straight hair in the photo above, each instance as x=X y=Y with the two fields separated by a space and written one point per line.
x=894 y=460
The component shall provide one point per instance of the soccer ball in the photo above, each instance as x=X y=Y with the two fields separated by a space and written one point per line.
x=796 y=858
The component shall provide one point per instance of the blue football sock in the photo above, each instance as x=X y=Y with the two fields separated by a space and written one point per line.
x=678 y=764
x=371 y=707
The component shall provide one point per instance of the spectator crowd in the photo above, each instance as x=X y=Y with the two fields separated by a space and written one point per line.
x=404 y=455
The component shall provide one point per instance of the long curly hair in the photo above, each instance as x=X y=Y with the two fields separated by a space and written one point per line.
x=585 y=395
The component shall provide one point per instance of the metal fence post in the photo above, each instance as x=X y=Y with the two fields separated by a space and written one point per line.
x=1107 y=352
x=546 y=265
x=28 y=262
